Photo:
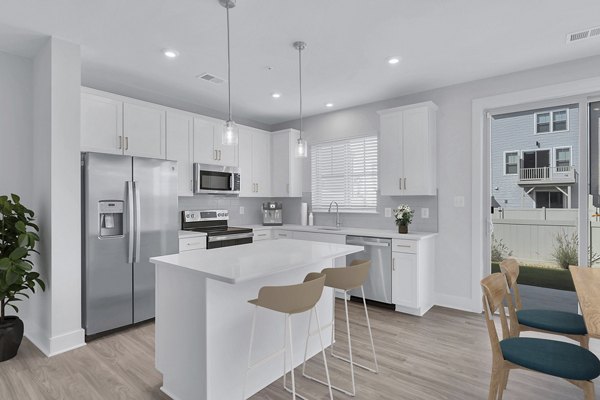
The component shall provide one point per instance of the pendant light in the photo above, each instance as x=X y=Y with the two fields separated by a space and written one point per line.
x=301 y=145
x=230 y=133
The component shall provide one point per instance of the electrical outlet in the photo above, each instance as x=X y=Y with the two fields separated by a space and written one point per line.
x=424 y=212
x=242 y=210
x=459 y=201
x=388 y=212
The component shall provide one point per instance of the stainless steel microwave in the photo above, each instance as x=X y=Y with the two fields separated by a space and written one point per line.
x=216 y=179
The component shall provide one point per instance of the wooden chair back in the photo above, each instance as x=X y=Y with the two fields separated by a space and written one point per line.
x=510 y=268
x=496 y=294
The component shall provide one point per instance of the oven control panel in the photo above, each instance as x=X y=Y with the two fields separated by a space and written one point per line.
x=205 y=215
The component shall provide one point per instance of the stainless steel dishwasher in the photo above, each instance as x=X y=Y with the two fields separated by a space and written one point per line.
x=378 y=286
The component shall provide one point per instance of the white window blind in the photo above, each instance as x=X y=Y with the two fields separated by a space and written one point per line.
x=345 y=171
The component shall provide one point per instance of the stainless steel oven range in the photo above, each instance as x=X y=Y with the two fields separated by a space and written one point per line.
x=215 y=224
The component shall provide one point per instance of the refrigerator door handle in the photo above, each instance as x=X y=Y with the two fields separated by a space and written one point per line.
x=138 y=219
x=130 y=219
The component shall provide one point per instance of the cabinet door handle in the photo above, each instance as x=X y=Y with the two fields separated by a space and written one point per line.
x=120 y=142
x=393 y=264
x=400 y=183
x=219 y=154
x=287 y=188
x=126 y=142
x=214 y=154
x=257 y=188
x=404 y=183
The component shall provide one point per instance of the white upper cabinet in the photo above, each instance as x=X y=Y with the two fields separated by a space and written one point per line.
x=408 y=150
x=208 y=147
x=144 y=130
x=180 y=148
x=286 y=169
x=254 y=160
x=101 y=124
x=118 y=125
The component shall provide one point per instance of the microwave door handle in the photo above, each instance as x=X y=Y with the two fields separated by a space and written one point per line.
x=130 y=219
x=232 y=181
x=138 y=222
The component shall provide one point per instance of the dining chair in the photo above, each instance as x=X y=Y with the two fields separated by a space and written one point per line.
x=575 y=364
x=556 y=322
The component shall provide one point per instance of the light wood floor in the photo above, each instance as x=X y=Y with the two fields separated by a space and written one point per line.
x=443 y=355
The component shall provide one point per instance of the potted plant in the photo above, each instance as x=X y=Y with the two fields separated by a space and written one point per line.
x=404 y=215
x=18 y=237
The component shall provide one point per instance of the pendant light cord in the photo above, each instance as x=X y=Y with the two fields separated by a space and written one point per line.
x=300 y=80
x=228 y=65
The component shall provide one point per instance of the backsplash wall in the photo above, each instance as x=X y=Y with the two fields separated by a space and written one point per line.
x=291 y=213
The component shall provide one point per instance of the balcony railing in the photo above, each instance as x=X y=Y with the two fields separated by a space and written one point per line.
x=548 y=175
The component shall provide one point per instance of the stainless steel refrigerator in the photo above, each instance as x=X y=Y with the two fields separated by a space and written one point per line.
x=129 y=215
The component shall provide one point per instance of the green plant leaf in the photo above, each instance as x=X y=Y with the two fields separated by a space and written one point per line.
x=23 y=240
x=14 y=307
x=17 y=253
x=11 y=277
x=5 y=263
x=41 y=283
x=20 y=226
x=15 y=198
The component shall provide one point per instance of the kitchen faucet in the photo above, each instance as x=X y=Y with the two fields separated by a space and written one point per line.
x=337 y=213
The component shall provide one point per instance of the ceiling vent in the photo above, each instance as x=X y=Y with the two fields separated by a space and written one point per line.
x=583 y=35
x=210 y=78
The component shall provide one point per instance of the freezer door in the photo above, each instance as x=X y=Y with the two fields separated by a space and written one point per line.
x=107 y=295
x=156 y=227
x=378 y=285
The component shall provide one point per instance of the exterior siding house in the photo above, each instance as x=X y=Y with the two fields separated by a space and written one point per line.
x=534 y=157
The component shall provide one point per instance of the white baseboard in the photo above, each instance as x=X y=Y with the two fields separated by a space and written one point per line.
x=66 y=342
x=57 y=344
x=457 y=302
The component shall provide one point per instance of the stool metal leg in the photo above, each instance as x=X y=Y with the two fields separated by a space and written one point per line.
x=376 y=370
x=324 y=356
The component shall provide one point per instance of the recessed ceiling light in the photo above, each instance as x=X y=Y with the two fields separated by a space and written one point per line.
x=170 y=53
x=393 y=60
x=276 y=95
x=328 y=105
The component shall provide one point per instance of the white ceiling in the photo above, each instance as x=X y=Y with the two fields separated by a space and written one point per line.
x=441 y=42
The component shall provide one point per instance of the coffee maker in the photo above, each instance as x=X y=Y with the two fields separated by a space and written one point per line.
x=272 y=213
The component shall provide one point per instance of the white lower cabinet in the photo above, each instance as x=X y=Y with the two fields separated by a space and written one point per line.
x=281 y=234
x=412 y=275
x=262 y=234
x=192 y=243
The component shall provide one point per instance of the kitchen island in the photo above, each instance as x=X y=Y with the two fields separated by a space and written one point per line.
x=203 y=318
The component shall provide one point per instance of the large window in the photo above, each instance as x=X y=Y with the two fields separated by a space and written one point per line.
x=345 y=171
x=552 y=121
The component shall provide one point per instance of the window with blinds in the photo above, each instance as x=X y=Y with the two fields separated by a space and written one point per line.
x=345 y=171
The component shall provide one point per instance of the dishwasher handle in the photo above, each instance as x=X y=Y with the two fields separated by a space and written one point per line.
x=367 y=243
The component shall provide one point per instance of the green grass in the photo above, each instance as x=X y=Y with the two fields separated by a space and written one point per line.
x=543 y=277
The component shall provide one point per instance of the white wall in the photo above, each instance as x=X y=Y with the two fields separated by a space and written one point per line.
x=453 y=247
x=16 y=126
x=53 y=319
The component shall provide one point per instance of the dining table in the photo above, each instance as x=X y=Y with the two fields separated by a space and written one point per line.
x=587 y=287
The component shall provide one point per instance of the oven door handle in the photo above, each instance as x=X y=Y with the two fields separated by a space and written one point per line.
x=220 y=238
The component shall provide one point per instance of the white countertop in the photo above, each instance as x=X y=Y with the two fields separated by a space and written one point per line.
x=382 y=233
x=242 y=263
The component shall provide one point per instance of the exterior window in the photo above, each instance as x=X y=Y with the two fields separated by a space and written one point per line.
x=511 y=161
x=542 y=124
x=549 y=200
x=559 y=120
x=552 y=121
x=345 y=171
x=563 y=159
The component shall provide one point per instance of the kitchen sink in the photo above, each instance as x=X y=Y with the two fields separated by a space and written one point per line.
x=329 y=228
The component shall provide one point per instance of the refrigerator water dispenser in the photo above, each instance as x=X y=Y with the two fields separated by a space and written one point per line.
x=111 y=218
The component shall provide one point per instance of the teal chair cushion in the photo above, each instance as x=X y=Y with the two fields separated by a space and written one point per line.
x=553 y=321
x=552 y=357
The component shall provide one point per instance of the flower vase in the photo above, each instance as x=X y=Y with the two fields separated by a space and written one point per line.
x=402 y=228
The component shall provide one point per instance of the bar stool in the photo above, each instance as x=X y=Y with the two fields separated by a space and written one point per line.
x=348 y=278
x=289 y=300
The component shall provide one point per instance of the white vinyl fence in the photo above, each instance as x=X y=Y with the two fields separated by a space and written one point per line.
x=531 y=233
